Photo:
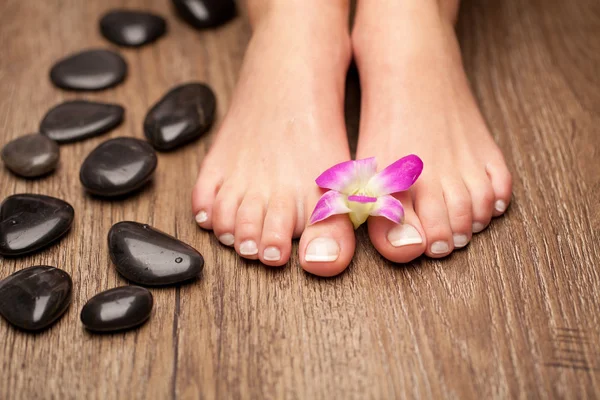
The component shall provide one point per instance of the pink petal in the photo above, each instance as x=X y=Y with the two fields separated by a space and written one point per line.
x=331 y=203
x=349 y=176
x=362 y=199
x=396 y=177
x=389 y=207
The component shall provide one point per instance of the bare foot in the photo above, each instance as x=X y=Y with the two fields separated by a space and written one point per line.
x=416 y=99
x=285 y=126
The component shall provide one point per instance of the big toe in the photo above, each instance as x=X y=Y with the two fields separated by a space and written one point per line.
x=327 y=247
x=400 y=243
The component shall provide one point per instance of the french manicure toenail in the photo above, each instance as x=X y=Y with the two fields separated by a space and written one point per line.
x=404 y=235
x=440 y=247
x=460 y=240
x=227 y=239
x=201 y=217
x=500 y=206
x=478 y=227
x=248 y=248
x=271 y=253
x=322 y=250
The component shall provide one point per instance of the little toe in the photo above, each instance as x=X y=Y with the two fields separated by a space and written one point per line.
x=431 y=209
x=225 y=210
x=482 y=200
x=327 y=247
x=400 y=243
x=460 y=211
x=203 y=197
x=280 y=220
x=248 y=225
x=502 y=185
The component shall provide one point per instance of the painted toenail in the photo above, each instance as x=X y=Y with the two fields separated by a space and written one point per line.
x=478 y=227
x=227 y=239
x=404 y=235
x=201 y=217
x=460 y=240
x=271 y=253
x=248 y=248
x=322 y=250
x=440 y=247
x=500 y=206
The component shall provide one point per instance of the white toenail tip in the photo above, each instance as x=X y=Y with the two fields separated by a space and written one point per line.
x=404 y=235
x=248 y=248
x=322 y=250
x=227 y=239
x=440 y=247
x=478 y=227
x=201 y=217
x=460 y=240
x=500 y=206
x=271 y=254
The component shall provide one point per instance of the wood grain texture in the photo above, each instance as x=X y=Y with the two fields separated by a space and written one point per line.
x=515 y=315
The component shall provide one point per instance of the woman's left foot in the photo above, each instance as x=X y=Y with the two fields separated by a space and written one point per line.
x=416 y=99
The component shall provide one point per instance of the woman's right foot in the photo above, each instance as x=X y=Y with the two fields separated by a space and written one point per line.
x=256 y=187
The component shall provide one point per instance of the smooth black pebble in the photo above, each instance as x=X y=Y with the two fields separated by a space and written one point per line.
x=181 y=116
x=204 y=14
x=118 y=167
x=80 y=119
x=35 y=297
x=132 y=28
x=147 y=256
x=89 y=70
x=117 y=309
x=29 y=222
x=31 y=156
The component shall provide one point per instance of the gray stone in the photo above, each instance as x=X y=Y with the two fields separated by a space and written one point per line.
x=31 y=156
x=89 y=70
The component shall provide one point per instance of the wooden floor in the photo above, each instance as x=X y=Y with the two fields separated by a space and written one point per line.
x=515 y=315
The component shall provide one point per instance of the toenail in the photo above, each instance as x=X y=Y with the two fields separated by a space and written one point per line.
x=201 y=217
x=322 y=250
x=248 y=248
x=478 y=227
x=460 y=240
x=227 y=239
x=500 y=206
x=271 y=253
x=403 y=235
x=440 y=247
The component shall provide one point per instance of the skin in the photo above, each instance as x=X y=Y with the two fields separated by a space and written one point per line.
x=285 y=126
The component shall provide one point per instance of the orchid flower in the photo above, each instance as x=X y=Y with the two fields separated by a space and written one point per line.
x=358 y=190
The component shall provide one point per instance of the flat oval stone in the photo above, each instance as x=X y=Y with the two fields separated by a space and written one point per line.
x=182 y=115
x=31 y=156
x=80 y=119
x=204 y=14
x=147 y=256
x=117 y=309
x=35 y=297
x=89 y=70
x=118 y=167
x=29 y=222
x=132 y=28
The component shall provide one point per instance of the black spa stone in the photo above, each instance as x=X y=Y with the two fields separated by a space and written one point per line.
x=203 y=14
x=35 y=297
x=80 y=119
x=132 y=28
x=31 y=156
x=149 y=257
x=117 y=309
x=118 y=167
x=29 y=222
x=181 y=116
x=89 y=70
